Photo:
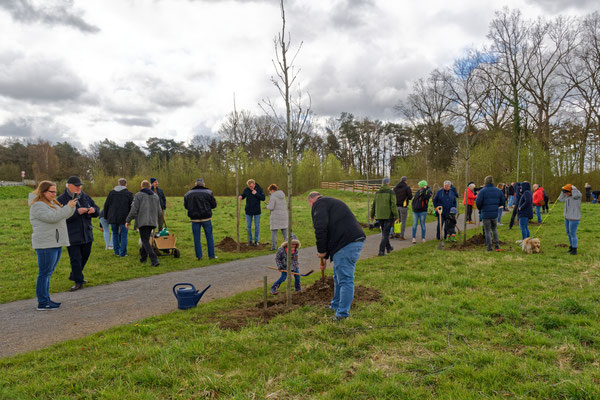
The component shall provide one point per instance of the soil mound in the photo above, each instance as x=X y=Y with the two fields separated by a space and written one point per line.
x=312 y=296
x=474 y=242
x=228 y=244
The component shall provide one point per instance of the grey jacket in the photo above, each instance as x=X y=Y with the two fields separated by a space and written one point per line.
x=146 y=210
x=278 y=208
x=572 y=204
x=49 y=224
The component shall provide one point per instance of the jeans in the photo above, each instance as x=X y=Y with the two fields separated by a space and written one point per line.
x=120 y=234
x=418 y=218
x=256 y=227
x=79 y=255
x=403 y=217
x=524 y=225
x=500 y=215
x=538 y=212
x=147 y=250
x=47 y=261
x=108 y=238
x=197 y=233
x=282 y=279
x=490 y=232
x=571 y=227
x=511 y=200
x=274 y=237
x=344 y=263
x=386 y=225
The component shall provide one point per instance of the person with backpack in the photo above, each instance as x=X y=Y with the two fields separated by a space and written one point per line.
x=420 y=204
x=538 y=201
x=403 y=197
x=385 y=211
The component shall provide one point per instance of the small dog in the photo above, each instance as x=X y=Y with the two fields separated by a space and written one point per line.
x=529 y=245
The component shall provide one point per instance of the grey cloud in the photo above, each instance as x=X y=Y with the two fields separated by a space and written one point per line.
x=58 y=12
x=34 y=127
x=136 y=121
x=38 y=79
x=558 y=6
x=352 y=13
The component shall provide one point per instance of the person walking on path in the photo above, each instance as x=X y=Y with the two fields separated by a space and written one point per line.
x=48 y=221
x=571 y=196
x=148 y=214
x=339 y=238
x=403 y=197
x=279 y=214
x=281 y=263
x=105 y=229
x=525 y=209
x=253 y=195
x=384 y=210
x=445 y=198
x=116 y=209
x=468 y=200
x=420 y=204
x=199 y=202
x=489 y=200
x=79 y=225
x=538 y=201
x=159 y=192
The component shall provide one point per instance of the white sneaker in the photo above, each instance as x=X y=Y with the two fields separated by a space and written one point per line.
x=423 y=240
x=414 y=240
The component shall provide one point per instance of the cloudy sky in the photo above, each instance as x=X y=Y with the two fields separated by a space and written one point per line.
x=87 y=70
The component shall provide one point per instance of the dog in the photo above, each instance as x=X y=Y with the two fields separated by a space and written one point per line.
x=529 y=245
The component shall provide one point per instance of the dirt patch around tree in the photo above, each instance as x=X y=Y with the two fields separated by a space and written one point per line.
x=475 y=242
x=276 y=305
x=229 y=245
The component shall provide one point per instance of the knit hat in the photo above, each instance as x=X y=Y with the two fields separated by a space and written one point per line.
x=152 y=180
x=568 y=187
x=295 y=241
x=423 y=183
x=453 y=210
x=199 y=182
x=488 y=180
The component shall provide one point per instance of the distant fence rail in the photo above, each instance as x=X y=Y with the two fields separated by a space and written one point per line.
x=358 y=186
x=26 y=182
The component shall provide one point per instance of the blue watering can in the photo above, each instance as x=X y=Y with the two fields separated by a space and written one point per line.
x=187 y=297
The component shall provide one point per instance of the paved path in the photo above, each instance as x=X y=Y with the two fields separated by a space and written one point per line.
x=96 y=308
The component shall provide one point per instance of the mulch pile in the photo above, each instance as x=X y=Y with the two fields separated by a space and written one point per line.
x=230 y=245
x=476 y=241
x=239 y=318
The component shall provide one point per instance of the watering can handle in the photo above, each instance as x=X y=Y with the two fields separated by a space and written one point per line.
x=182 y=284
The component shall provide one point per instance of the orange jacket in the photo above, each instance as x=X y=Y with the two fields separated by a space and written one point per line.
x=538 y=197
x=469 y=197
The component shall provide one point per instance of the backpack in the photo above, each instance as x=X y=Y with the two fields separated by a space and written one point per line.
x=420 y=201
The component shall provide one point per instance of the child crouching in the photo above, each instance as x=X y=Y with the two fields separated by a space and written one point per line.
x=281 y=263
x=450 y=225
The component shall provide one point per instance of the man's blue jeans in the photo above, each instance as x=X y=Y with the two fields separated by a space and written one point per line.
x=256 y=227
x=524 y=225
x=571 y=227
x=511 y=200
x=120 y=234
x=499 y=215
x=210 y=243
x=344 y=263
x=538 y=212
x=47 y=261
x=108 y=239
x=418 y=219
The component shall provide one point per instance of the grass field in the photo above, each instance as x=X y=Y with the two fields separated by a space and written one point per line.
x=450 y=325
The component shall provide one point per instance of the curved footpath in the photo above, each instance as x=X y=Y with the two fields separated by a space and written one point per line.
x=97 y=308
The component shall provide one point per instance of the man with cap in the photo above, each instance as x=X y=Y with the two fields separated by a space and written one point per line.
x=385 y=211
x=571 y=196
x=79 y=226
x=403 y=197
x=159 y=192
x=199 y=201
x=489 y=200
x=420 y=204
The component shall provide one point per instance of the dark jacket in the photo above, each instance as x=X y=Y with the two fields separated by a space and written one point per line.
x=446 y=199
x=117 y=205
x=488 y=200
x=161 y=196
x=335 y=225
x=511 y=190
x=199 y=201
x=253 y=200
x=526 y=201
x=80 y=225
x=403 y=194
x=420 y=202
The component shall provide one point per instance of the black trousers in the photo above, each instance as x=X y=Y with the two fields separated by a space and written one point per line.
x=469 y=213
x=147 y=250
x=78 y=255
x=386 y=227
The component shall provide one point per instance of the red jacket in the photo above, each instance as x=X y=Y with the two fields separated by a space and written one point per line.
x=538 y=197
x=469 y=197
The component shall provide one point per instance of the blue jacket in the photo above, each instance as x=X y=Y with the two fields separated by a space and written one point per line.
x=488 y=200
x=80 y=225
x=253 y=200
x=446 y=199
x=526 y=201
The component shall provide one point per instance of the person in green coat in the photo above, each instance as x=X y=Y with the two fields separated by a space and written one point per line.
x=385 y=212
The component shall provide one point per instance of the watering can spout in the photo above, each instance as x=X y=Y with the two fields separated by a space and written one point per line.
x=200 y=294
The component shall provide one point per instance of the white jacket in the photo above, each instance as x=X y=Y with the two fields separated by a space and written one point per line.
x=49 y=224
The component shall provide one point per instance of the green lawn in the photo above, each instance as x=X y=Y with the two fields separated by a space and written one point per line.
x=450 y=325
x=18 y=266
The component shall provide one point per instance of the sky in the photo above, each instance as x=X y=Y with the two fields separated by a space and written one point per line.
x=127 y=70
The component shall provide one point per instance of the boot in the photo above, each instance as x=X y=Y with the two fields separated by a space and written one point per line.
x=570 y=250
x=574 y=251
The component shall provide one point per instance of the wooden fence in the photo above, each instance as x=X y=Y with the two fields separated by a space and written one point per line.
x=358 y=186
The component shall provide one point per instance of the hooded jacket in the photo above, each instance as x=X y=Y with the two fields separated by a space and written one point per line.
x=145 y=209
x=572 y=204
x=199 y=202
x=538 y=197
x=80 y=225
x=469 y=198
x=117 y=205
x=384 y=206
x=279 y=213
x=253 y=200
x=403 y=194
x=489 y=199
x=525 y=201
x=49 y=224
